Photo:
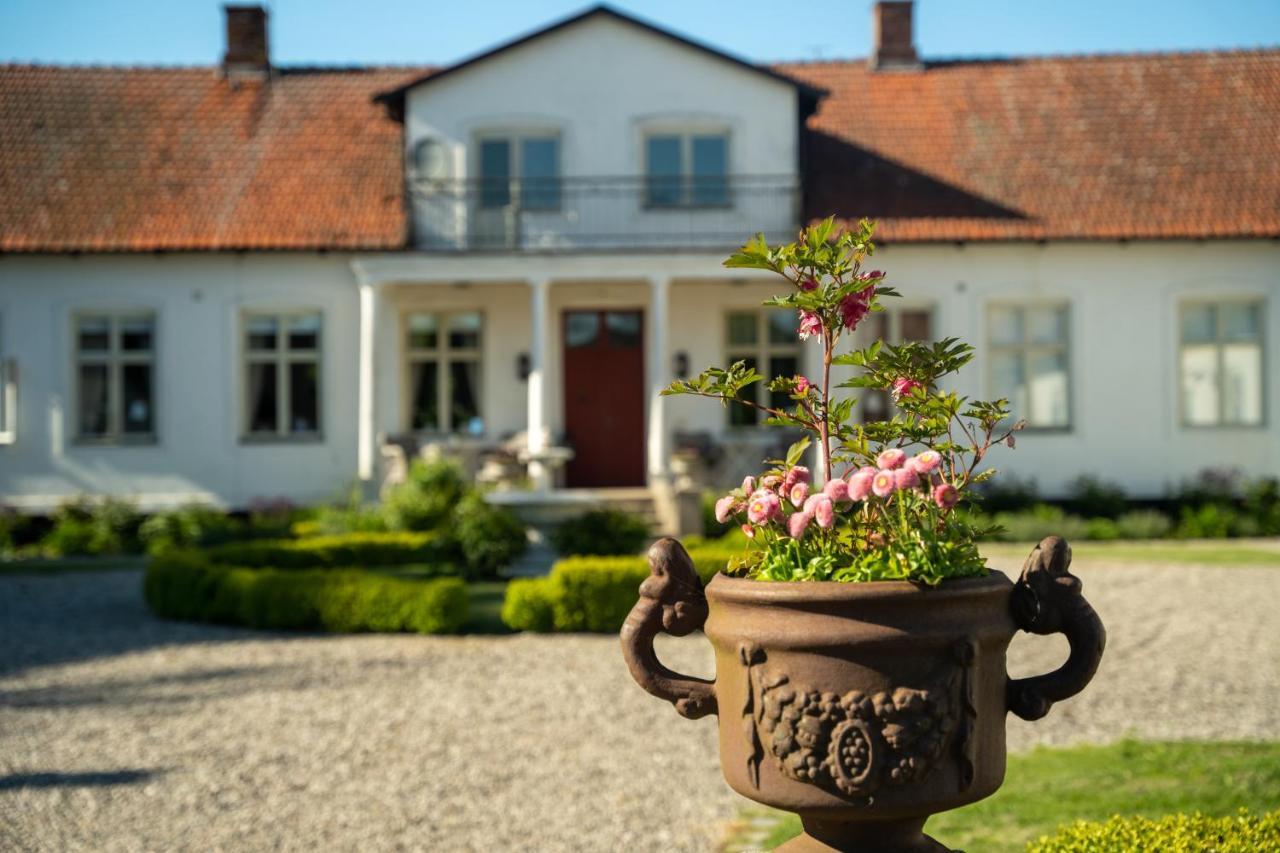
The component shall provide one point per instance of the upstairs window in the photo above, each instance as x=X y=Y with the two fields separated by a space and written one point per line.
x=526 y=167
x=766 y=340
x=1029 y=362
x=1220 y=364
x=687 y=170
x=443 y=351
x=115 y=377
x=282 y=375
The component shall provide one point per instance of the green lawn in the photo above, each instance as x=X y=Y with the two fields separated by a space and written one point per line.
x=1224 y=552
x=1050 y=787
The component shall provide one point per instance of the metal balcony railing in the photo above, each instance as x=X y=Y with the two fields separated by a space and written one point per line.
x=594 y=213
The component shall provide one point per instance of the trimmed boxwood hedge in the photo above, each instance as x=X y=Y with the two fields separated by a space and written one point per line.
x=1242 y=833
x=346 y=550
x=186 y=585
x=589 y=593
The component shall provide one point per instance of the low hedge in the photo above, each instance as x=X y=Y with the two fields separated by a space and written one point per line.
x=1242 y=833
x=346 y=550
x=589 y=593
x=187 y=586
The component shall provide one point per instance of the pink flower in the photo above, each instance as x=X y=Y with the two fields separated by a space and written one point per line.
x=812 y=502
x=763 y=507
x=891 y=458
x=748 y=485
x=771 y=482
x=927 y=462
x=810 y=325
x=903 y=387
x=797 y=523
x=870 y=276
x=802 y=385
x=837 y=490
x=868 y=470
x=860 y=485
x=855 y=306
x=724 y=508
x=905 y=478
x=798 y=494
x=883 y=483
x=945 y=495
x=797 y=474
x=809 y=284
x=824 y=511
x=749 y=531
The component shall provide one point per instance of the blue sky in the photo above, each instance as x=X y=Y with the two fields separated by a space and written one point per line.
x=333 y=32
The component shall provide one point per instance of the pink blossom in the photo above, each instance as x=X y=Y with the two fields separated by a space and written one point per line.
x=763 y=507
x=860 y=485
x=868 y=470
x=810 y=325
x=906 y=478
x=748 y=485
x=883 y=483
x=796 y=474
x=809 y=284
x=927 y=461
x=1009 y=441
x=749 y=531
x=855 y=306
x=945 y=495
x=725 y=508
x=903 y=387
x=771 y=482
x=802 y=385
x=870 y=276
x=797 y=523
x=837 y=490
x=798 y=494
x=824 y=511
x=891 y=458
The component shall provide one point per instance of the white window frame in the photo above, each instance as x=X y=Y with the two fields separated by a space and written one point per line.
x=115 y=359
x=515 y=137
x=893 y=322
x=686 y=135
x=444 y=356
x=1026 y=349
x=1217 y=343
x=282 y=357
x=8 y=396
x=763 y=351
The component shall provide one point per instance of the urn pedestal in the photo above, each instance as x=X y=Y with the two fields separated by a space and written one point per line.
x=863 y=708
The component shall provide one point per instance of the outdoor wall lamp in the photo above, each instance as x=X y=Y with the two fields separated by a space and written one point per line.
x=680 y=366
x=523 y=367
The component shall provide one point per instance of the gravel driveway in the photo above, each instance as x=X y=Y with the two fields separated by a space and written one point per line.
x=122 y=732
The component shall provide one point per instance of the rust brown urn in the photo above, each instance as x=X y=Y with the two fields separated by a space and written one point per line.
x=863 y=707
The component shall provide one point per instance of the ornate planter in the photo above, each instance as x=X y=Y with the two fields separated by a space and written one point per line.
x=864 y=708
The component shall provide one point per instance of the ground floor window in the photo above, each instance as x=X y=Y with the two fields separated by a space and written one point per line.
x=766 y=340
x=8 y=396
x=1220 y=363
x=115 y=376
x=1029 y=362
x=893 y=326
x=282 y=374
x=443 y=356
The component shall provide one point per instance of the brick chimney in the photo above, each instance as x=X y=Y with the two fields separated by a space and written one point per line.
x=895 y=45
x=246 y=54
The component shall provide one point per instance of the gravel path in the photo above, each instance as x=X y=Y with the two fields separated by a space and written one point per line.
x=122 y=732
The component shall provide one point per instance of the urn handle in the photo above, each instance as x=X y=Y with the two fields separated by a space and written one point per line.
x=671 y=601
x=1047 y=600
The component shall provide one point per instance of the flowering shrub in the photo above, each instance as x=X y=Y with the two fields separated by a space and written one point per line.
x=882 y=508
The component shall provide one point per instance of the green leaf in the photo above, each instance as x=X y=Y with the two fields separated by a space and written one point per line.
x=796 y=452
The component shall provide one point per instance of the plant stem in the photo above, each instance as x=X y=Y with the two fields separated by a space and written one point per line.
x=828 y=344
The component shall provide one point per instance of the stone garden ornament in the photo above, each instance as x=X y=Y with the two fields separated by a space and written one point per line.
x=860 y=638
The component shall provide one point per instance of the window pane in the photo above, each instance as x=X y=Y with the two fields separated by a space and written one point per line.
x=1241 y=321
x=136 y=334
x=1047 y=325
x=916 y=325
x=464 y=330
x=787 y=365
x=740 y=415
x=262 y=403
x=877 y=325
x=304 y=389
x=623 y=328
x=495 y=173
x=423 y=382
x=582 y=328
x=1199 y=324
x=94 y=334
x=1049 y=395
x=464 y=397
x=93 y=399
x=136 y=379
x=742 y=327
x=875 y=405
x=261 y=332
x=1242 y=384
x=422 y=331
x=1006 y=326
x=1008 y=381
x=663 y=170
x=1199 y=384
x=304 y=332
x=783 y=326
x=710 y=170
x=540 y=174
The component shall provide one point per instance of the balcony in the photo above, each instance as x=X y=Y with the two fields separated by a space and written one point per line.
x=571 y=214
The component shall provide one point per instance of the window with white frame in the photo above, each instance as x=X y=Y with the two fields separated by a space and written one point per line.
x=1029 y=362
x=443 y=358
x=115 y=376
x=687 y=169
x=1220 y=363
x=8 y=397
x=524 y=166
x=766 y=340
x=282 y=374
x=893 y=326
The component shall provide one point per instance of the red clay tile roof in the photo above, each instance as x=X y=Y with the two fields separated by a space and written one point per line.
x=1109 y=147
x=1152 y=146
x=146 y=159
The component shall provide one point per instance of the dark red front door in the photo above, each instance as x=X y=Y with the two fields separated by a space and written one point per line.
x=604 y=397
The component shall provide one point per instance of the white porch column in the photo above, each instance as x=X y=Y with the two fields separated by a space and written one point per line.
x=366 y=436
x=539 y=426
x=659 y=371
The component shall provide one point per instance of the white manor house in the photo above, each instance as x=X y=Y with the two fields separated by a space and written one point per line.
x=248 y=281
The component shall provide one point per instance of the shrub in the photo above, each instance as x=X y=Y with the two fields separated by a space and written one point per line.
x=529 y=604
x=12 y=524
x=1214 y=521
x=1041 y=521
x=1103 y=529
x=489 y=537
x=1144 y=524
x=88 y=526
x=1093 y=498
x=602 y=532
x=1262 y=503
x=189 y=526
x=1009 y=494
x=1210 y=486
x=351 y=550
x=271 y=518
x=1242 y=833
x=425 y=501
x=183 y=585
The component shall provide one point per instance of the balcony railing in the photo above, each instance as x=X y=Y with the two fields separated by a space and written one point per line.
x=595 y=213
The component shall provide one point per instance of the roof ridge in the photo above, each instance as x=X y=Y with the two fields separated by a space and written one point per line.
x=1051 y=57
